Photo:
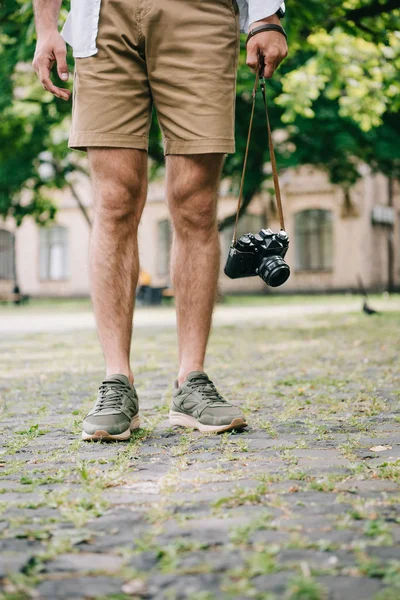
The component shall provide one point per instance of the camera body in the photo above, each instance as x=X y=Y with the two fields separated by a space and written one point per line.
x=260 y=254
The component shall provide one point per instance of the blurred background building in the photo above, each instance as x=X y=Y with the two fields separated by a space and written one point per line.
x=335 y=238
x=334 y=111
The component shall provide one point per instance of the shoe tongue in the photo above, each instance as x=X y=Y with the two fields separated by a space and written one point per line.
x=196 y=375
x=117 y=379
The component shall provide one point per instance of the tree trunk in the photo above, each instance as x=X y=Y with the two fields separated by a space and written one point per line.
x=80 y=204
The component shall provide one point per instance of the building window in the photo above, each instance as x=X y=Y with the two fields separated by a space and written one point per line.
x=313 y=240
x=164 y=236
x=54 y=253
x=7 y=262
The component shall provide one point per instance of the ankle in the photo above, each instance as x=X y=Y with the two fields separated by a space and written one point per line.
x=115 y=370
x=184 y=372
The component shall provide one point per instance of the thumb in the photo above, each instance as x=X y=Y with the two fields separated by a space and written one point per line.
x=62 y=67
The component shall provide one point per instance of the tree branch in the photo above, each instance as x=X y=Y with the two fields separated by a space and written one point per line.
x=230 y=219
x=372 y=10
x=80 y=204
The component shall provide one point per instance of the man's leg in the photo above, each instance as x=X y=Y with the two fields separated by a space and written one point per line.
x=119 y=179
x=192 y=184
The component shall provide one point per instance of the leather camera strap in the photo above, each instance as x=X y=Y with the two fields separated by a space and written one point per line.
x=260 y=80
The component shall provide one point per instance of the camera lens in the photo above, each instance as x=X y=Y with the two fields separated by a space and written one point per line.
x=274 y=271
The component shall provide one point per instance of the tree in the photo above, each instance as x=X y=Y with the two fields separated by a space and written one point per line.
x=335 y=98
x=33 y=125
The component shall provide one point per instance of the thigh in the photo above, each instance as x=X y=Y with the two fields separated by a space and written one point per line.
x=112 y=99
x=191 y=52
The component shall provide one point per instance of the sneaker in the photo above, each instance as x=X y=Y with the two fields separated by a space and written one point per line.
x=196 y=403
x=115 y=413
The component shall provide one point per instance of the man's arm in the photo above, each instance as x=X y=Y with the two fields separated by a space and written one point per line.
x=269 y=44
x=50 y=47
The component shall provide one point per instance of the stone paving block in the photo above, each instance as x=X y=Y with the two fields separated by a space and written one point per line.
x=315 y=558
x=275 y=583
x=395 y=533
x=213 y=560
x=128 y=497
x=210 y=531
x=184 y=587
x=13 y=563
x=384 y=553
x=330 y=536
x=145 y=561
x=117 y=518
x=320 y=454
x=79 y=587
x=268 y=537
x=85 y=562
x=374 y=485
x=326 y=466
x=350 y=588
x=9 y=545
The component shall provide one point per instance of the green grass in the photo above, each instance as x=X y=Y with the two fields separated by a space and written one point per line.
x=272 y=298
x=276 y=298
x=305 y=588
x=46 y=304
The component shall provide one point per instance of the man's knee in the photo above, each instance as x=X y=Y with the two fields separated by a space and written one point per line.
x=119 y=189
x=192 y=194
x=195 y=218
x=118 y=204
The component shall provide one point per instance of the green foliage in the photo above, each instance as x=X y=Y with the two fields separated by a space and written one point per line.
x=33 y=125
x=336 y=96
x=360 y=75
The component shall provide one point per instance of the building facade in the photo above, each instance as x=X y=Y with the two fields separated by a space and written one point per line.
x=335 y=238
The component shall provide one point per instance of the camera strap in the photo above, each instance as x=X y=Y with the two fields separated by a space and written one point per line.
x=260 y=80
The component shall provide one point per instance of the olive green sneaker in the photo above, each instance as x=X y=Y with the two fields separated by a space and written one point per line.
x=115 y=413
x=196 y=403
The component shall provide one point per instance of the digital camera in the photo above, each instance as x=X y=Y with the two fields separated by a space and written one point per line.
x=260 y=254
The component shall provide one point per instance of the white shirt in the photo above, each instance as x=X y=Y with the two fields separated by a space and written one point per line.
x=80 y=29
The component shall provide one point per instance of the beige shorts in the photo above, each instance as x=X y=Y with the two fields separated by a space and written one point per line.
x=180 y=55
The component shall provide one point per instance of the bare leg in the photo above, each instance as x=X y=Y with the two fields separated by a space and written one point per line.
x=192 y=183
x=119 y=179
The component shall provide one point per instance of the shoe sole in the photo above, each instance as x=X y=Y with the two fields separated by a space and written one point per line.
x=176 y=418
x=103 y=435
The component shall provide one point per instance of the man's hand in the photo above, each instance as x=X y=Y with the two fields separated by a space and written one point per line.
x=269 y=44
x=51 y=49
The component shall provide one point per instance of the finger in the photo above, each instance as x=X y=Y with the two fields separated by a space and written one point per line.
x=43 y=68
x=252 y=57
x=269 y=68
x=62 y=67
x=53 y=89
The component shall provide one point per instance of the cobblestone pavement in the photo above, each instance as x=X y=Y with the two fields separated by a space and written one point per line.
x=303 y=505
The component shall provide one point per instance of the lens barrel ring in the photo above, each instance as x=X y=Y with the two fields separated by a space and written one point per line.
x=274 y=271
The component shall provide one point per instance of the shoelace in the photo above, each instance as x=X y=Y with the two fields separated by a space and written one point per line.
x=208 y=389
x=113 y=400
